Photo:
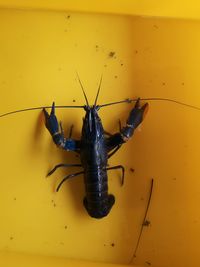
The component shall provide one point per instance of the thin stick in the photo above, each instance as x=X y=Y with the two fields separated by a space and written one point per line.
x=143 y=223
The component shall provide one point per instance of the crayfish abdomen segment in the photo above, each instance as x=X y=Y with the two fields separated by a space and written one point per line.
x=100 y=208
x=97 y=201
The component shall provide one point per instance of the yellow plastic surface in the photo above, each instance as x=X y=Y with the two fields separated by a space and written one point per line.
x=165 y=8
x=40 y=52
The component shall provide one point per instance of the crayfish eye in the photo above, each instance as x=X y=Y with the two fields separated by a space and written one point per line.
x=86 y=108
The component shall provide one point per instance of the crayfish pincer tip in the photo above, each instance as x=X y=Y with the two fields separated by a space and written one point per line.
x=46 y=115
x=53 y=108
x=137 y=102
x=145 y=109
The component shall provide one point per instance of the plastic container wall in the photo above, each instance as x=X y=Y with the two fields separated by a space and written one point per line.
x=40 y=52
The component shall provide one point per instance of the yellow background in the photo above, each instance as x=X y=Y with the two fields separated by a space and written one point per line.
x=40 y=52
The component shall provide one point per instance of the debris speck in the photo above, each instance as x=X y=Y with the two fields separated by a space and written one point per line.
x=132 y=170
x=14 y=198
x=163 y=83
x=111 y=54
x=67 y=17
x=148 y=263
x=73 y=100
x=115 y=76
x=105 y=66
x=112 y=244
x=136 y=51
x=65 y=227
x=54 y=204
x=182 y=83
x=122 y=64
x=11 y=238
x=155 y=26
x=146 y=223
x=61 y=243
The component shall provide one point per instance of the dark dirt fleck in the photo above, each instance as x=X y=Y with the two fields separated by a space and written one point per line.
x=142 y=198
x=65 y=226
x=105 y=66
x=136 y=51
x=122 y=64
x=111 y=54
x=148 y=263
x=132 y=170
x=54 y=204
x=116 y=77
x=155 y=26
x=146 y=223
x=65 y=30
x=182 y=83
x=113 y=244
x=67 y=17
x=163 y=83
x=11 y=238
x=73 y=100
x=14 y=198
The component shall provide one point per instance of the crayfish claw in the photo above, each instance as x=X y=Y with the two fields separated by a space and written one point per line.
x=135 y=118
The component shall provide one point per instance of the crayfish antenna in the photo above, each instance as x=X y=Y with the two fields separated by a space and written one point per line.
x=82 y=89
x=95 y=102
